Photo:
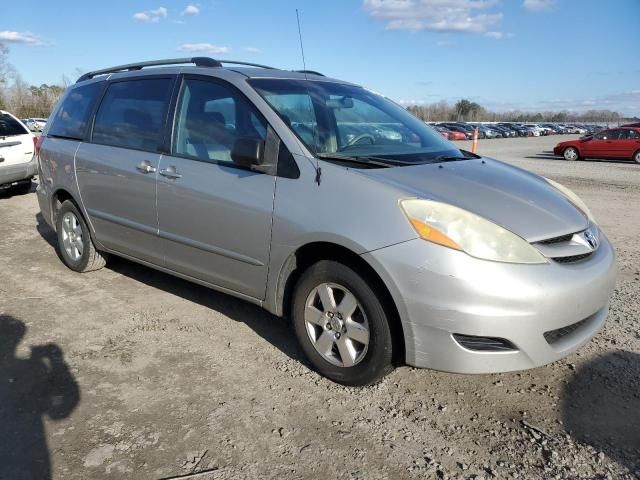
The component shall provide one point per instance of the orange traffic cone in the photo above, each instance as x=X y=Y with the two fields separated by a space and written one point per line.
x=474 y=147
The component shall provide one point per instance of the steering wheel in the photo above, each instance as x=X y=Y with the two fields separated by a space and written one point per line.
x=358 y=138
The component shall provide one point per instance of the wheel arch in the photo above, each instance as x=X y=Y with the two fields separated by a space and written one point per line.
x=310 y=253
x=57 y=199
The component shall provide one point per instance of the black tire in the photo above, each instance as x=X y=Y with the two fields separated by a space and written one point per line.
x=636 y=156
x=90 y=258
x=377 y=359
x=22 y=188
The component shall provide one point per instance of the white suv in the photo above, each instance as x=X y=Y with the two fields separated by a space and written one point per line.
x=17 y=160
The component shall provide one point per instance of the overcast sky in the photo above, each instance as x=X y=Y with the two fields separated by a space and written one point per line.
x=504 y=54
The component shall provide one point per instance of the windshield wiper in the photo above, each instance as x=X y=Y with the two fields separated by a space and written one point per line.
x=448 y=158
x=364 y=160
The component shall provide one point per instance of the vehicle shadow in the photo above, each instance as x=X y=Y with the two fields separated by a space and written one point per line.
x=601 y=406
x=549 y=155
x=275 y=330
x=45 y=231
x=8 y=192
x=30 y=388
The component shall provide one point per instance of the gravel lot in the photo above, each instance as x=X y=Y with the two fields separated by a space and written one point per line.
x=166 y=378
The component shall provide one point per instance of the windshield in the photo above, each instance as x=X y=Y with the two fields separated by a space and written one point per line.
x=334 y=119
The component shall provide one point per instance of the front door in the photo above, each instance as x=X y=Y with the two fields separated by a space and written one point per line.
x=601 y=145
x=117 y=170
x=215 y=217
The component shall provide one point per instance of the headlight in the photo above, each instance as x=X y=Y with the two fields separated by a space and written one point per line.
x=456 y=228
x=573 y=198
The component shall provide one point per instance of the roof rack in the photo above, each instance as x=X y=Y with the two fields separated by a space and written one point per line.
x=248 y=64
x=198 y=61
x=312 y=72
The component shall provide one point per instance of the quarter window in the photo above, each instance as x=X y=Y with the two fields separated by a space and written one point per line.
x=132 y=114
x=210 y=118
x=70 y=120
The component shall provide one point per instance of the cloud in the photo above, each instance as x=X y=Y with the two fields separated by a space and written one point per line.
x=627 y=103
x=150 y=16
x=191 y=10
x=434 y=15
x=498 y=35
x=25 y=38
x=204 y=48
x=538 y=5
x=251 y=50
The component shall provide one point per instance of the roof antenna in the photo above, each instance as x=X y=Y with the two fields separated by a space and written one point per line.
x=304 y=66
x=304 y=63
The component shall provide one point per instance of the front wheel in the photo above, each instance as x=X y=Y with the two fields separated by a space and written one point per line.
x=570 y=154
x=341 y=325
x=75 y=245
x=636 y=157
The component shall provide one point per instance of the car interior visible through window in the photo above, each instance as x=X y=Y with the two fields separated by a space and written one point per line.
x=210 y=118
x=132 y=114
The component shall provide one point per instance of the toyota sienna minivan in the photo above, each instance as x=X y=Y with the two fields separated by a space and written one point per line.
x=327 y=203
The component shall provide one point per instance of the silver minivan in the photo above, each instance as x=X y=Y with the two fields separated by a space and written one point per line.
x=327 y=203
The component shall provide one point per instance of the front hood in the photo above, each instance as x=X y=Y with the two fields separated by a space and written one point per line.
x=515 y=199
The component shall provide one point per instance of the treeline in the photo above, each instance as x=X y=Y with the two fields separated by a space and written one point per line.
x=468 y=111
x=24 y=100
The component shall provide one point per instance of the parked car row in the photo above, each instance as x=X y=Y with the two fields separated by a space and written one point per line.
x=465 y=130
x=35 y=124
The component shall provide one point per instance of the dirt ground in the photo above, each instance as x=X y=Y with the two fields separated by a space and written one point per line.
x=130 y=373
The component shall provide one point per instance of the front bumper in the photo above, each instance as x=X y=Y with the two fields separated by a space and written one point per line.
x=18 y=172
x=440 y=292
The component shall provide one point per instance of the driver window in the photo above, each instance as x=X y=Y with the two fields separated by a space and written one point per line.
x=606 y=135
x=210 y=118
x=296 y=110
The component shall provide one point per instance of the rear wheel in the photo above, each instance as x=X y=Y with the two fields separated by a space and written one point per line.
x=570 y=153
x=341 y=325
x=636 y=157
x=75 y=245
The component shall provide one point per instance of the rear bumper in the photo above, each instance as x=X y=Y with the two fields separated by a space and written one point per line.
x=440 y=292
x=15 y=173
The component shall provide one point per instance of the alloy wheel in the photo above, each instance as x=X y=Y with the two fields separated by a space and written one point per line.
x=72 y=236
x=337 y=325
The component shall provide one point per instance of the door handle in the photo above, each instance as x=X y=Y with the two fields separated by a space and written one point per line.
x=170 y=172
x=145 y=167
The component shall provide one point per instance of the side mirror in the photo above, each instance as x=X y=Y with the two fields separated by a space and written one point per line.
x=248 y=152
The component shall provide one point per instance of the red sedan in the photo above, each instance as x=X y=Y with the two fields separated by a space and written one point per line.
x=623 y=142
x=450 y=134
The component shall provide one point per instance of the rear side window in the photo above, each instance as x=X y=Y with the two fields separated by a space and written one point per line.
x=633 y=135
x=71 y=118
x=9 y=126
x=132 y=114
